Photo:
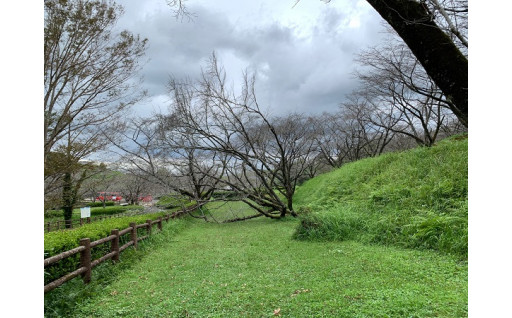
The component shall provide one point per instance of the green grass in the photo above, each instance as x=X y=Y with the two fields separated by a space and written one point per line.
x=416 y=199
x=225 y=210
x=62 y=301
x=252 y=268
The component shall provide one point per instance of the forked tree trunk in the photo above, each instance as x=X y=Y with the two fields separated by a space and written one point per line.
x=442 y=60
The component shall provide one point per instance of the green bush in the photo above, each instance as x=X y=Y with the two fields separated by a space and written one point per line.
x=414 y=199
x=109 y=210
x=99 y=204
x=53 y=213
x=95 y=211
x=60 y=241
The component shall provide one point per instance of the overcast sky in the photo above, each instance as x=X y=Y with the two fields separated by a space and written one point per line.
x=303 y=55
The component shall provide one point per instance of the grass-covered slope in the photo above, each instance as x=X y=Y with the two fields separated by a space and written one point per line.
x=416 y=198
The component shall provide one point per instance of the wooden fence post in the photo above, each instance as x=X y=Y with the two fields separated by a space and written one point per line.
x=88 y=220
x=114 y=245
x=167 y=218
x=149 y=226
x=81 y=222
x=160 y=223
x=58 y=225
x=85 y=259
x=134 y=234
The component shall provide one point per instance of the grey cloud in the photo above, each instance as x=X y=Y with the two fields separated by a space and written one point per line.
x=297 y=73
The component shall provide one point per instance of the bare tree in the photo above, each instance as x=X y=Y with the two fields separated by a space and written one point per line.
x=291 y=150
x=349 y=134
x=316 y=166
x=158 y=152
x=331 y=139
x=436 y=33
x=88 y=81
x=89 y=70
x=367 y=139
x=263 y=157
x=106 y=180
x=452 y=17
x=179 y=9
x=404 y=98
x=195 y=171
x=433 y=47
x=133 y=186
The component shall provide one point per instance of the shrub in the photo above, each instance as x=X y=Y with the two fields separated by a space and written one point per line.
x=109 y=210
x=53 y=213
x=95 y=211
x=174 y=201
x=98 y=204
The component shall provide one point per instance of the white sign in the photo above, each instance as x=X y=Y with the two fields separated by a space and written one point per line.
x=85 y=212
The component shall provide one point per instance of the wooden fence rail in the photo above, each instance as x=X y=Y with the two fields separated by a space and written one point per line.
x=87 y=264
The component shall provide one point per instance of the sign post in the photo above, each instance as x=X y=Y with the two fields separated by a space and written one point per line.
x=85 y=212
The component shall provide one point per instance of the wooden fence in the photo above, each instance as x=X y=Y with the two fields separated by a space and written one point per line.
x=61 y=225
x=86 y=264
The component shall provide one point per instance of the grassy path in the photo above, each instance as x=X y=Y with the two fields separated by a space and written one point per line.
x=254 y=269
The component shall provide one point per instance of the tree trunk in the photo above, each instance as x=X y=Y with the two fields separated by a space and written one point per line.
x=440 y=57
x=67 y=199
x=289 y=199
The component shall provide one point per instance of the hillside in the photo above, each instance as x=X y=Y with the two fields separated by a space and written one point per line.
x=415 y=199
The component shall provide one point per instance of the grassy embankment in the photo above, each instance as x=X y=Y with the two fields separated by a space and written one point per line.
x=415 y=199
